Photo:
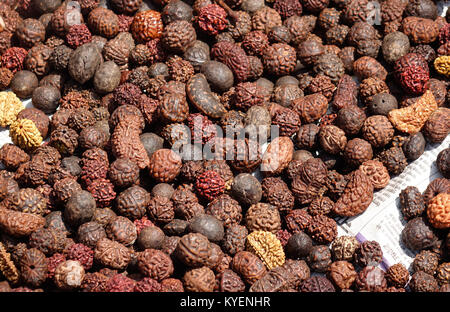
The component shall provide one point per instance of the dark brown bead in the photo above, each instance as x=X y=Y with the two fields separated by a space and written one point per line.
x=119 y=49
x=279 y=34
x=342 y=274
x=310 y=107
x=123 y=172
x=132 y=203
x=122 y=230
x=442 y=274
x=439 y=185
x=378 y=130
x=194 y=250
x=49 y=241
x=368 y=253
x=112 y=254
x=364 y=38
x=231 y=282
x=186 y=203
x=279 y=59
x=394 y=160
x=178 y=35
x=64 y=139
x=306 y=136
x=125 y=113
x=225 y=209
x=328 y=18
x=367 y=66
x=298 y=220
x=103 y=216
x=160 y=209
x=322 y=229
x=319 y=258
x=336 y=35
x=322 y=84
x=422 y=8
x=277 y=193
x=370 y=87
x=350 y=119
x=437 y=126
x=412 y=202
x=207 y=225
x=79 y=208
x=65 y=188
x=417 y=235
x=397 y=275
x=321 y=206
x=357 y=195
x=249 y=266
x=23 y=83
x=357 y=151
x=423 y=282
x=33 y=267
x=12 y=156
x=308 y=51
x=426 y=261
x=103 y=22
x=329 y=65
x=8 y=187
x=150 y=237
x=332 y=139
x=27 y=200
x=90 y=233
x=255 y=42
x=199 y=280
x=30 y=32
x=246 y=189
x=317 y=283
x=371 y=279
x=346 y=93
x=173 y=108
x=179 y=69
x=300 y=27
x=126 y=6
x=234 y=239
x=263 y=217
x=443 y=162
x=285 y=93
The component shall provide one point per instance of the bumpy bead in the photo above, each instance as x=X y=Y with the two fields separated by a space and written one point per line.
x=132 y=202
x=442 y=65
x=164 y=165
x=25 y=134
x=178 y=36
x=266 y=18
x=147 y=25
x=13 y=58
x=438 y=211
x=212 y=19
x=279 y=59
x=10 y=107
x=27 y=200
x=267 y=247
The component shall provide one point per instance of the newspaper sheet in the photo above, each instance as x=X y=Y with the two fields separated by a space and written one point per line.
x=383 y=221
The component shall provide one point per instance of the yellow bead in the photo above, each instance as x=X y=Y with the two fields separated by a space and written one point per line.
x=442 y=65
x=267 y=247
x=25 y=134
x=10 y=107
